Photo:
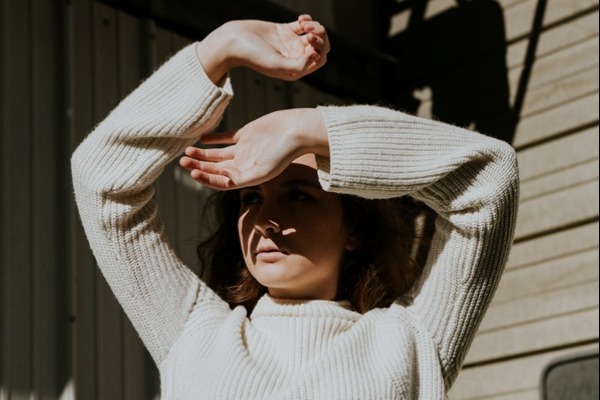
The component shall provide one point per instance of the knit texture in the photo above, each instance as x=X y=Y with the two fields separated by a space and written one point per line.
x=298 y=349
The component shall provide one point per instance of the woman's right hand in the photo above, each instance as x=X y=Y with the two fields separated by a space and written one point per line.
x=259 y=151
x=284 y=51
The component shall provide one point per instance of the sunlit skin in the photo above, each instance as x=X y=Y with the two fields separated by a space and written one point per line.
x=292 y=232
x=293 y=235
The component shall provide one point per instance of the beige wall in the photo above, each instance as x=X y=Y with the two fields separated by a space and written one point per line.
x=65 y=66
x=63 y=69
x=547 y=303
x=546 y=307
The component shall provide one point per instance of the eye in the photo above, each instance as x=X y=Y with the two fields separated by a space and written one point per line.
x=299 y=195
x=248 y=198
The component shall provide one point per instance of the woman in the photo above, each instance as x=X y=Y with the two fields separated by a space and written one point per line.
x=302 y=339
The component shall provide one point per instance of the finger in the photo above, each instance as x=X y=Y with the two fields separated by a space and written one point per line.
x=312 y=62
x=313 y=26
x=296 y=26
x=304 y=18
x=214 y=154
x=188 y=163
x=319 y=30
x=194 y=152
x=227 y=137
x=219 y=182
x=192 y=164
x=205 y=166
x=210 y=167
x=219 y=154
x=316 y=42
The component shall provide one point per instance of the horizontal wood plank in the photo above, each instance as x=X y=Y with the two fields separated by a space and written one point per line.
x=561 y=272
x=578 y=113
x=519 y=18
x=543 y=305
x=518 y=15
x=535 y=336
x=559 y=154
x=556 y=210
x=549 y=96
x=506 y=4
x=558 y=65
x=554 y=246
x=562 y=36
x=559 y=92
x=564 y=179
x=513 y=379
x=555 y=80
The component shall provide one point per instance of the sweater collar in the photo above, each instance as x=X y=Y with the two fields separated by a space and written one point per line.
x=268 y=306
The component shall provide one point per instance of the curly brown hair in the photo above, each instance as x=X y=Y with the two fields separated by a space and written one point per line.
x=378 y=272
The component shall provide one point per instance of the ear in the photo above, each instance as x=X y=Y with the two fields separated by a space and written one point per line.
x=353 y=242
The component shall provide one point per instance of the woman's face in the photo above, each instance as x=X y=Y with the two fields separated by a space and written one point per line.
x=292 y=234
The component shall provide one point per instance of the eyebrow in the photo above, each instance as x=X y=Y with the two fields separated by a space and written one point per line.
x=290 y=184
x=301 y=182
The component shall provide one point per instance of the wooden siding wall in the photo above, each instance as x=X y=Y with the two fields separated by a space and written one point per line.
x=64 y=67
x=546 y=307
x=547 y=303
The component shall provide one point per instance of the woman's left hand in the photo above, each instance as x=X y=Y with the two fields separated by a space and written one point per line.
x=285 y=51
x=259 y=151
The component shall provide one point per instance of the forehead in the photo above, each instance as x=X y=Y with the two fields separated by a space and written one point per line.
x=303 y=168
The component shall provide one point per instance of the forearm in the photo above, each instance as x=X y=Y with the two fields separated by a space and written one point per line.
x=470 y=180
x=377 y=152
x=175 y=106
x=113 y=170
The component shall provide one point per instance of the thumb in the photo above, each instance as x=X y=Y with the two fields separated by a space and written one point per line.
x=300 y=66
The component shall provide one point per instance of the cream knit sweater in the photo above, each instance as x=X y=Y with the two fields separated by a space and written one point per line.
x=291 y=349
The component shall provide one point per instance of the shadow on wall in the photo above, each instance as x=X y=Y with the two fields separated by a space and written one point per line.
x=459 y=55
x=453 y=63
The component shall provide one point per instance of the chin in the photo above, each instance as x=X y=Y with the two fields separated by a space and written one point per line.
x=275 y=275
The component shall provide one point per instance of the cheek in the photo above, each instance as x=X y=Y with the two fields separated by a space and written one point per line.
x=326 y=233
x=245 y=231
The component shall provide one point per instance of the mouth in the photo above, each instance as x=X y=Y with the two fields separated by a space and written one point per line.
x=269 y=252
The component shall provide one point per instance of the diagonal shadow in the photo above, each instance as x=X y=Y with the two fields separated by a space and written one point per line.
x=460 y=55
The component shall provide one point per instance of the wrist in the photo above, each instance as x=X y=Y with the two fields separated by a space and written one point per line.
x=316 y=140
x=213 y=53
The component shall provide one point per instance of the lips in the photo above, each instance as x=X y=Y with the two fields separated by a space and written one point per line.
x=265 y=248
x=269 y=253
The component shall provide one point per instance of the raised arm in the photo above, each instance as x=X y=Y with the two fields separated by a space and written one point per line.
x=470 y=180
x=114 y=168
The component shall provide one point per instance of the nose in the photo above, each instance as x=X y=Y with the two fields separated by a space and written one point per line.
x=267 y=227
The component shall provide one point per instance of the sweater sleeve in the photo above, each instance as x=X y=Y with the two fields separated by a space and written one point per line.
x=468 y=179
x=113 y=171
